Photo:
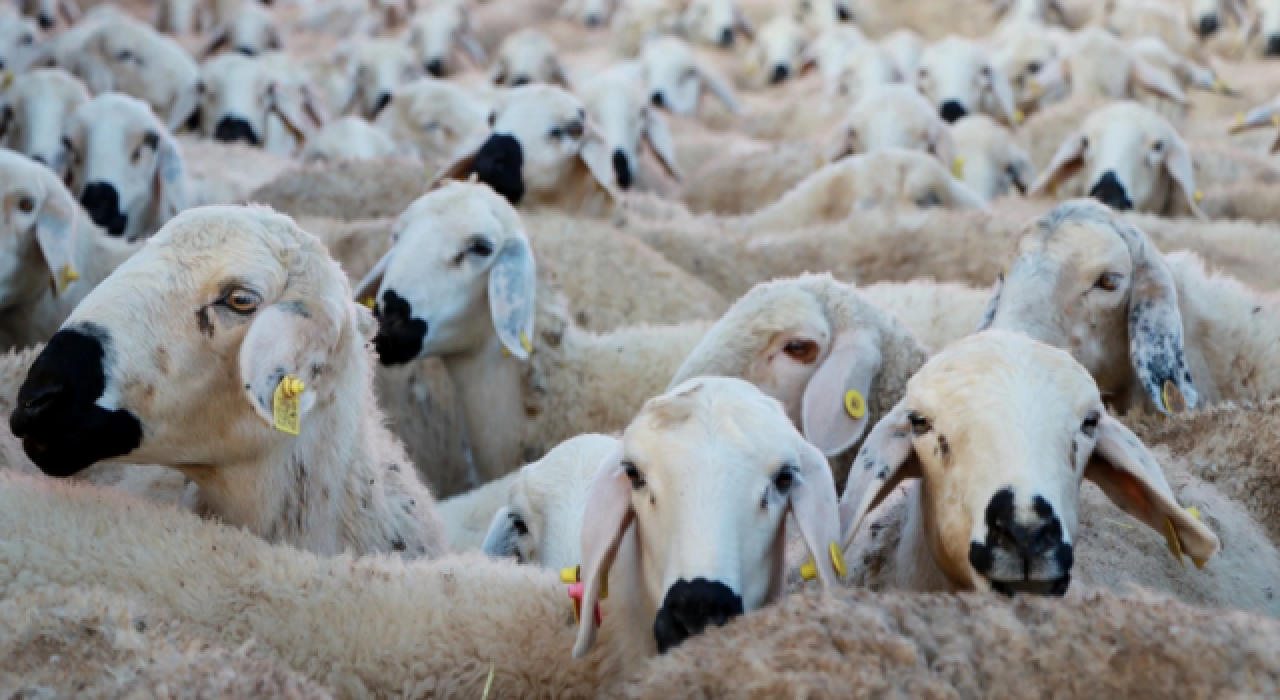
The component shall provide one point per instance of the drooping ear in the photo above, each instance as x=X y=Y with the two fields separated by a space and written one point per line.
x=720 y=89
x=460 y=164
x=170 y=193
x=834 y=410
x=70 y=11
x=1021 y=169
x=471 y=45
x=817 y=511
x=57 y=233
x=292 y=338
x=595 y=154
x=216 y=42
x=887 y=458
x=185 y=107
x=1156 y=81
x=1001 y=93
x=742 y=24
x=942 y=146
x=512 y=296
x=367 y=291
x=558 y=76
x=658 y=136
x=500 y=541
x=289 y=107
x=1266 y=116
x=993 y=305
x=1125 y=470
x=498 y=76
x=1178 y=164
x=1065 y=163
x=605 y=521
x=1156 y=346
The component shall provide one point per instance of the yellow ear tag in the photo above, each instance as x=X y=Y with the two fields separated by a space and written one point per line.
x=569 y=575
x=1239 y=118
x=854 y=404
x=524 y=343
x=1018 y=116
x=1171 y=539
x=369 y=302
x=6 y=80
x=1194 y=512
x=1199 y=196
x=957 y=168
x=1275 y=120
x=837 y=560
x=809 y=571
x=286 y=404
x=1174 y=401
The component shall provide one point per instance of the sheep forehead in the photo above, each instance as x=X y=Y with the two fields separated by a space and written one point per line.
x=953 y=55
x=534 y=108
x=1127 y=118
x=17 y=172
x=774 y=307
x=47 y=82
x=114 y=113
x=441 y=220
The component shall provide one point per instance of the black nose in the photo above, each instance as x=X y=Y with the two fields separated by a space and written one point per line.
x=41 y=160
x=594 y=21
x=690 y=607
x=1273 y=45
x=498 y=165
x=657 y=100
x=520 y=80
x=844 y=13
x=1208 y=25
x=726 y=37
x=1023 y=557
x=46 y=22
x=1110 y=192
x=952 y=111
x=102 y=202
x=779 y=74
x=435 y=68
x=622 y=169
x=384 y=99
x=62 y=428
x=400 y=336
x=232 y=129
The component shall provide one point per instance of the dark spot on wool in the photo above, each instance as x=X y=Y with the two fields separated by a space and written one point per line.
x=295 y=307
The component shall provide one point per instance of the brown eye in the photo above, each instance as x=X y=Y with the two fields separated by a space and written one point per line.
x=919 y=424
x=574 y=130
x=802 y=351
x=26 y=205
x=242 y=301
x=633 y=475
x=1108 y=281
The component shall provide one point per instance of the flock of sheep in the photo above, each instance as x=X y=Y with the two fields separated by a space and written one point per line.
x=639 y=348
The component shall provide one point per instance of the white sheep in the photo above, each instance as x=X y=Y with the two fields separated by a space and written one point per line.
x=251 y=31
x=677 y=77
x=442 y=34
x=286 y=440
x=348 y=138
x=775 y=53
x=1000 y=431
x=892 y=117
x=906 y=48
x=47 y=12
x=622 y=113
x=714 y=22
x=33 y=111
x=433 y=117
x=527 y=57
x=988 y=159
x=865 y=67
x=19 y=44
x=1022 y=56
x=959 y=77
x=1097 y=64
x=370 y=70
x=828 y=52
x=553 y=380
x=1262 y=117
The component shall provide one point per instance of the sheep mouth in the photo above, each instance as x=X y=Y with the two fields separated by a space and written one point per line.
x=1053 y=588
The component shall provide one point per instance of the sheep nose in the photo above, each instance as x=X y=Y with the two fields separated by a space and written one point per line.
x=1208 y=25
x=435 y=68
x=844 y=13
x=1023 y=555
x=594 y=21
x=779 y=74
x=952 y=111
x=384 y=99
x=726 y=37
x=690 y=607
x=400 y=336
x=498 y=164
x=46 y=22
x=1273 y=45
x=520 y=80
x=41 y=160
x=102 y=202
x=232 y=129
x=657 y=100
x=1110 y=192
x=622 y=169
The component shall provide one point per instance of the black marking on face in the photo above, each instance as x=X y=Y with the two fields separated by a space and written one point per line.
x=204 y=321
x=299 y=308
x=689 y=607
x=400 y=336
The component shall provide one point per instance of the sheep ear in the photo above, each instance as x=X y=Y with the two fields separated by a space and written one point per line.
x=217 y=41
x=834 y=409
x=558 y=76
x=942 y=146
x=989 y=315
x=596 y=156
x=289 y=107
x=512 y=292
x=498 y=76
x=1022 y=170
x=658 y=136
x=1180 y=168
x=1157 y=81
x=170 y=180
x=1064 y=164
x=720 y=89
x=56 y=233
x=70 y=11
x=1259 y=118
x=367 y=291
x=1125 y=470
x=607 y=517
x=742 y=24
x=817 y=512
x=1156 y=347
x=887 y=458
x=1002 y=94
x=500 y=541
x=275 y=42
x=288 y=339
x=460 y=164
x=471 y=45
x=185 y=107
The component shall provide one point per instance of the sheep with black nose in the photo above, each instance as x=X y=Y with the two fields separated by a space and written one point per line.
x=251 y=31
x=677 y=77
x=714 y=22
x=443 y=39
x=370 y=70
x=960 y=78
x=19 y=43
x=528 y=57
x=33 y=111
x=627 y=122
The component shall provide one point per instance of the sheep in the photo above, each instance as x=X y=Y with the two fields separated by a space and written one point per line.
x=1265 y=116
x=371 y=70
x=1208 y=16
x=250 y=31
x=773 y=55
x=1128 y=157
x=855 y=642
x=53 y=257
x=433 y=117
x=527 y=57
x=47 y=12
x=959 y=78
x=893 y=116
x=348 y=138
x=625 y=119
x=287 y=441
x=437 y=33
x=237 y=98
x=1022 y=57
x=18 y=44
x=988 y=160
x=676 y=77
x=542 y=149
x=32 y=112
x=1133 y=19
x=1096 y=64
x=818 y=16
x=829 y=51
x=906 y=48
x=121 y=54
x=1031 y=12
x=554 y=380
x=714 y=22
x=345 y=191
x=147 y=653
x=1025 y=425
x=865 y=67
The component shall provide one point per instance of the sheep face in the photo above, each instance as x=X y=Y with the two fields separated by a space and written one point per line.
x=865 y=68
x=251 y=31
x=705 y=476
x=18 y=44
x=33 y=111
x=127 y=56
x=960 y=79
x=457 y=252
x=123 y=165
x=1084 y=280
x=234 y=98
x=893 y=116
x=1000 y=430
x=434 y=116
x=828 y=51
x=38 y=243
x=1131 y=159
x=435 y=35
x=1022 y=60
x=773 y=55
x=714 y=22
x=627 y=122
x=988 y=160
x=676 y=78
x=539 y=138
x=126 y=375
x=820 y=15
x=528 y=57
x=374 y=69
x=47 y=12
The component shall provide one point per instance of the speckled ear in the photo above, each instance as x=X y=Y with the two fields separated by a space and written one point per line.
x=886 y=459
x=817 y=512
x=1064 y=164
x=1156 y=347
x=292 y=338
x=512 y=291
x=607 y=517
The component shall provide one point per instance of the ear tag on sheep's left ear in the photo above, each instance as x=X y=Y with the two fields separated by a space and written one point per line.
x=1018 y=116
x=573 y=577
x=1199 y=196
x=369 y=302
x=855 y=404
x=957 y=168
x=286 y=405
x=1174 y=401
x=810 y=570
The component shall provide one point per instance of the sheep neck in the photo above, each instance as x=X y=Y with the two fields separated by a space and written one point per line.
x=490 y=389
x=915 y=567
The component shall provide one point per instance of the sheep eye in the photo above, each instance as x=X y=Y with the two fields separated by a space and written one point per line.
x=481 y=248
x=634 y=475
x=242 y=301
x=1084 y=144
x=1158 y=146
x=919 y=424
x=574 y=129
x=985 y=72
x=26 y=205
x=1034 y=67
x=689 y=74
x=803 y=351
x=493 y=118
x=1108 y=281
x=518 y=524
x=1090 y=425
x=784 y=480
x=557 y=133
x=125 y=55
x=27 y=40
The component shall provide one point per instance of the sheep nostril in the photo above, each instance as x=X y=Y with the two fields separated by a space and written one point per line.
x=1208 y=25
x=43 y=400
x=779 y=74
x=657 y=100
x=384 y=99
x=46 y=22
x=520 y=80
x=435 y=68
x=622 y=169
x=726 y=37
